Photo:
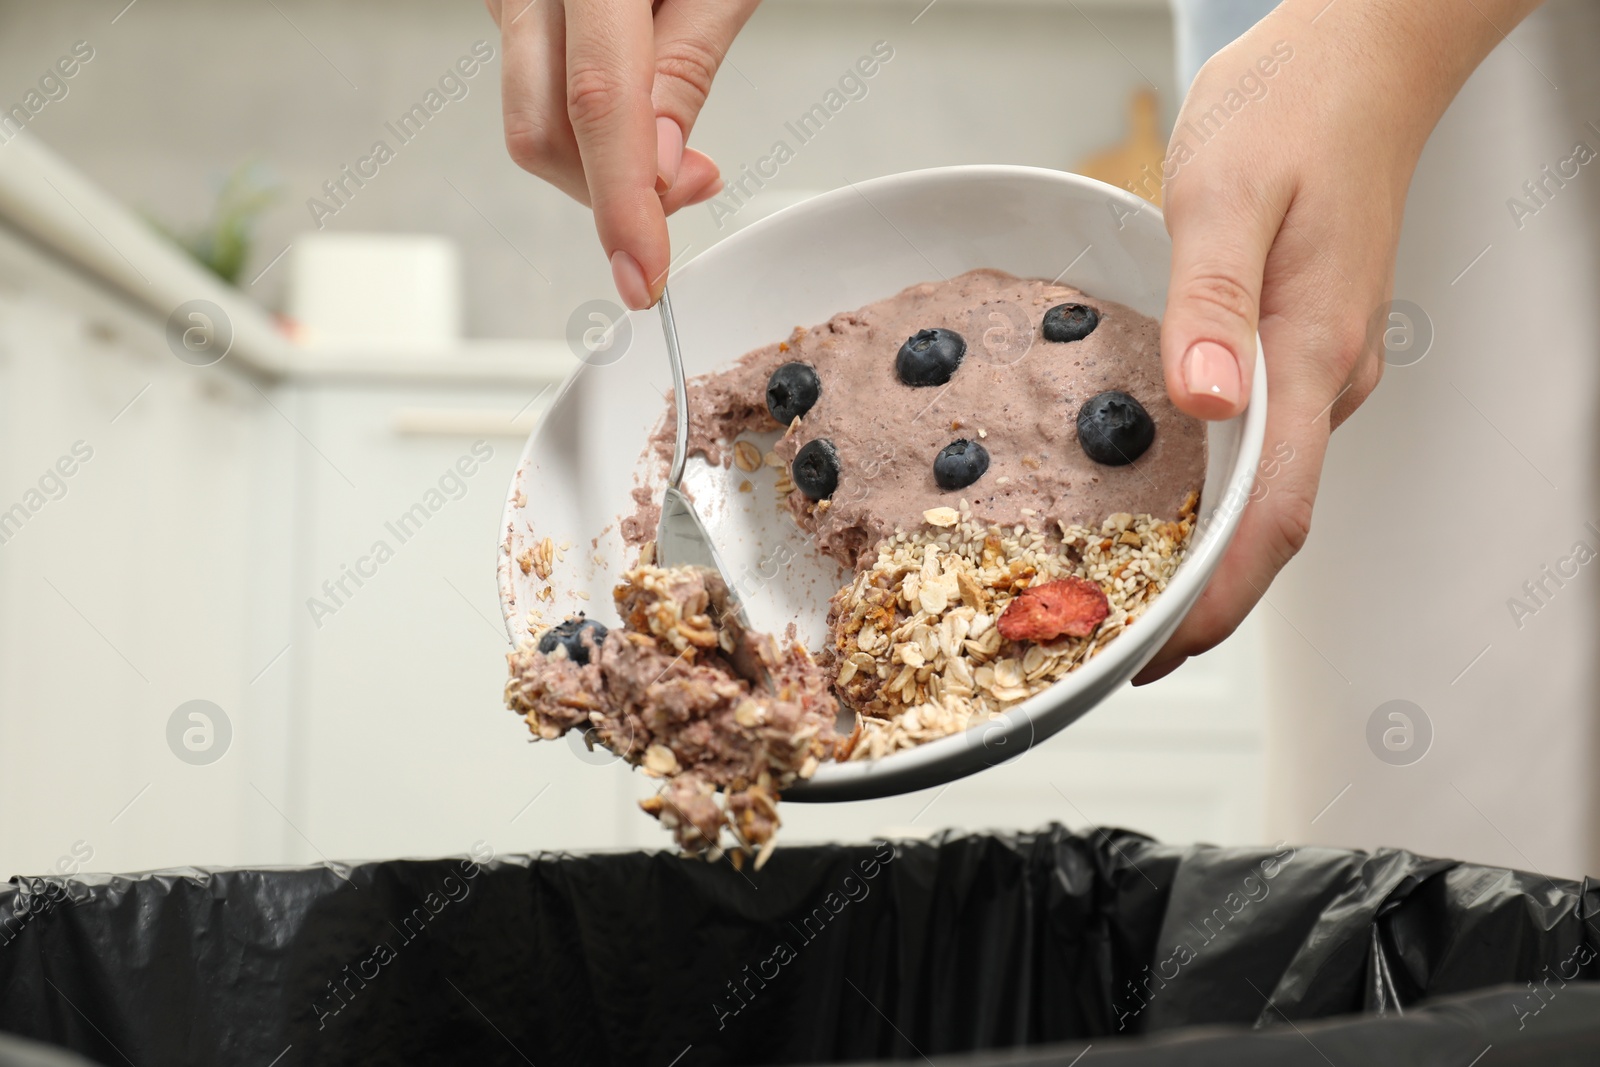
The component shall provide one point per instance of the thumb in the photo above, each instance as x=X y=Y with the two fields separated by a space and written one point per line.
x=689 y=51
x=1208 y=334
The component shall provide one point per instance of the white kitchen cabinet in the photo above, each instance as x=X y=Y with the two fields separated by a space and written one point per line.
x=128 y=589
x=402 y=745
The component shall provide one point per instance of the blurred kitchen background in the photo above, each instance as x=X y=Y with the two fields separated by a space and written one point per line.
x=432 y=309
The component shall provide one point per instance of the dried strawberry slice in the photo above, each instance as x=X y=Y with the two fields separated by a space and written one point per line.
x=1068 y=606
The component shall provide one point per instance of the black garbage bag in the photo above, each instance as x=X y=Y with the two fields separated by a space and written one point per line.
x=829 y=954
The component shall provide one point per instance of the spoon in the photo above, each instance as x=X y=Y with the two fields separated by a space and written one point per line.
x=681 y=538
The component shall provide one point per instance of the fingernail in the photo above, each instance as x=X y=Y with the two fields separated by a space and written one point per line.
x=669 y=152
x=710 y=189
x=1209 y=370
x=629 y=280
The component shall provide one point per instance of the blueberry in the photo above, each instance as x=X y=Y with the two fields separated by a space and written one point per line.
x=792 y=391
x=1069 y=322
x=959 y=464
x=930 y=357
x=569 y=635
x=1114 y=428
x=816 y=469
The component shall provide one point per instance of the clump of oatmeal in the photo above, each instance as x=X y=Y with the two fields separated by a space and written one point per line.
x=917 y=644
x=662 y=691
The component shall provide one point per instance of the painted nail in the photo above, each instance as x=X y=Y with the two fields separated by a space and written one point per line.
x=707 y=191
x=629 y=279
x=669 y=152
x=1210 y=370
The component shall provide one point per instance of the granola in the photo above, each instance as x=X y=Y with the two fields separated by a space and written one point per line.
x=917 y=650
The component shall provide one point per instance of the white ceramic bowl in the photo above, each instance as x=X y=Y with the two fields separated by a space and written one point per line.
x=832 y=253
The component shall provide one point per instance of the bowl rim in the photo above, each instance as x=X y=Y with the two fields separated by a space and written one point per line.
x=1043 y=714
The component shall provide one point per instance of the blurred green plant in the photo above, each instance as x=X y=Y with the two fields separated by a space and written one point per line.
x=222 y=243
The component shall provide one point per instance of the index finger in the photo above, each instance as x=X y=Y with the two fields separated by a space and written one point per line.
x=1276 y=516
x=610 y=71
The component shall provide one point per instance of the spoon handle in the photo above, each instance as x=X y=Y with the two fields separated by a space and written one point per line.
x=680 y=396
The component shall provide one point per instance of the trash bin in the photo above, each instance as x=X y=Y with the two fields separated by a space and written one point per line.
x=1150 y=953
